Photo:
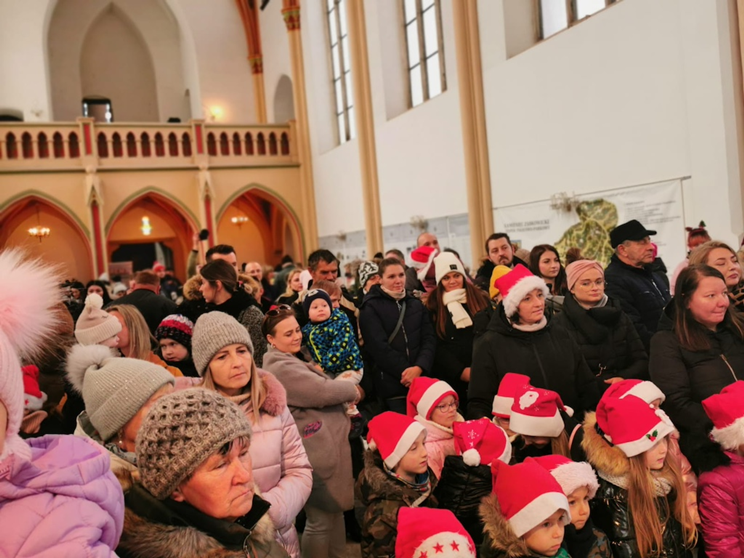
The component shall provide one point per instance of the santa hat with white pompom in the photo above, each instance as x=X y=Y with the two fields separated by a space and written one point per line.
x=481 y=442
x=536 y=412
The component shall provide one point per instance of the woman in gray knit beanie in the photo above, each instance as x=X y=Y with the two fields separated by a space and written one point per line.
x=222 y=352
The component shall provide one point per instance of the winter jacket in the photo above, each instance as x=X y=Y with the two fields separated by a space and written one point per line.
x=587 y=542
x=63 y=503
x=607 y=339
x=440 y=443
x=333 y=344
x=483 y=276
x=461 y=489
x=721 y=506
x=574 y=434
x=155 y=359
x=414 y=344
x=281 y=469
x=499 y=540
x=316 y=403
x=610 y=508
x=688 y=377
x=454 y=353
x=121 y=462
x=169 y=529
x=153 y=307
x=381 y=496
x=548 y=356
x=642 y=295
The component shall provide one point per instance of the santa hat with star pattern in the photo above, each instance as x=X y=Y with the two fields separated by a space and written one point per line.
x=480 y=442
x=427 y=532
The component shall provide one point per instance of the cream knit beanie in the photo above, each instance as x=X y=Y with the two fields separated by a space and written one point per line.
x=95 y=325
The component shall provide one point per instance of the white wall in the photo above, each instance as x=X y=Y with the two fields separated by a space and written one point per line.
x=275 y=46
x=639 y=93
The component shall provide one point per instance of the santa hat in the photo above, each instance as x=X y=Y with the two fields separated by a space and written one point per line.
x=29 y=289
x=631 y=424
x=393 y=434
x=535 y=412
x=726 y=410
x=645 y=390
x=516 y=285
x=571 y=475
x=157 y=266
x=425 y=394
x=447 y=262
x=95 y=325
x=34 y=398
x=528 y=495
x=504 y=398
x=498 y=272
x=430 y=532
x=421 y=259
x=481 y=442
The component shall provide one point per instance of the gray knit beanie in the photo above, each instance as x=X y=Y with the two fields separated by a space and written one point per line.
x=113 y=388
x=180 y=432
x=213 y=332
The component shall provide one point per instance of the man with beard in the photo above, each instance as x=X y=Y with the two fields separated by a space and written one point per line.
x=500 y=252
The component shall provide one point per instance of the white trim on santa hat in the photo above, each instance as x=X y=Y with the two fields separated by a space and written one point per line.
x=574 y=475
x=433 y=395
x=730 y=437
x=502 y=406
x=648 y=440
x=520 y=290
x=32 y=403
x=403 y=445
x=446 y=544
x=648 y=391
x=528 y=425
x=538 y=510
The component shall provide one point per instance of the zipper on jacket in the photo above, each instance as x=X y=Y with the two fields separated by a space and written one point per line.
x=542 y=370
x=729 y=366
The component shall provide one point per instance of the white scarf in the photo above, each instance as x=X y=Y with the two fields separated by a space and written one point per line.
x=454 y=301
x=533 y=327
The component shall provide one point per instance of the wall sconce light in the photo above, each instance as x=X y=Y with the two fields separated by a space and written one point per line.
x=215 y=113
x=38 y=231
x=146 y=228
x=239 y=220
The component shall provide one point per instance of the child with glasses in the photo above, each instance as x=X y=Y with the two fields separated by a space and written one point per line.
x=434 y=403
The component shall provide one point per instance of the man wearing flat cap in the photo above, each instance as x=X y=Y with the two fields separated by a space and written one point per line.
x=642 y=292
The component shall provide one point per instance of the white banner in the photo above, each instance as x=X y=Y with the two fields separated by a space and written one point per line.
x=657 y=206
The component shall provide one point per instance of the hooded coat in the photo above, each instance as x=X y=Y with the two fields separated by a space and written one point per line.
x=549 y=357
x=379 y=497
x=440 y=442
x=610 y=508
x=413 y=345
x=63 y=502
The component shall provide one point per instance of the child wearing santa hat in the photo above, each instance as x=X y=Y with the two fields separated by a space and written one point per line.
x=466 y=477
x=721 y=488
x=434 y=403
x=579 y=484
x=396 y=474
x=640 y=504
x=543 y=425
x=427 y=532
x=526 y=514
x=504 y=399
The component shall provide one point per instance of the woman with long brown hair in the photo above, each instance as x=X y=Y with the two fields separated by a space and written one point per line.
x=546 y=264
x=452 y=305
x=698 y=350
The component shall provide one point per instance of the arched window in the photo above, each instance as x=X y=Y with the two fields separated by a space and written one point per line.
x=74 y=145
x=211 y=145
x=341 y=69
x=27 y=146
x=58 y=145
x=237 y=144
x=557 y=16
x=131 y=145
x=224 y=144
x=159 y=145
x=11 y=147
x=145 y=144
x=273 y=147
x=186 y=144
x=249 y=144
x=285 y=143
x=102 y=145
x=172 y=145
x=42 y=145
x=423 y=31
x=116 y=145
x=261 y=144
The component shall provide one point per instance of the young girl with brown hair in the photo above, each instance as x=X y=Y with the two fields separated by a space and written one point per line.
x=640 y=503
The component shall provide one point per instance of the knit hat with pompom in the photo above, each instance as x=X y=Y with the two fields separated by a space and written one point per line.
x=95 y=325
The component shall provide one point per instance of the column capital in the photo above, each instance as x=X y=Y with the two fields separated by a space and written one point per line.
x=256 y=63
x=292 y=18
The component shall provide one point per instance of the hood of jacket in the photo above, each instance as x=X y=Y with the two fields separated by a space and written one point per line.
x=604 y=457
x=378 y=485
x=498 y=530
x=276 y=395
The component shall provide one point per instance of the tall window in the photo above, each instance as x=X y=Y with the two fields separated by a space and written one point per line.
x=557 y=15
x=341 y=66
x=423 y=29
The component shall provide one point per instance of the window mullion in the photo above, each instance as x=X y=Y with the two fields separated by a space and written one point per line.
x=422 y=49
x=342 y=75
x=440 y=45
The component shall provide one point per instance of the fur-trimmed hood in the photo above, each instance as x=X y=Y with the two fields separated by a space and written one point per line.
x=499 y=534
x=276 y=395
x=604 y=457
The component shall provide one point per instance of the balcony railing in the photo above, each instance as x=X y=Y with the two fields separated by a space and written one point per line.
x=61 y=146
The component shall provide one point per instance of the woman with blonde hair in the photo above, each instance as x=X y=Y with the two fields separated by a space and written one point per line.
x=221 y=349
x=294 y=288
x=135 y=339
x=722 y=257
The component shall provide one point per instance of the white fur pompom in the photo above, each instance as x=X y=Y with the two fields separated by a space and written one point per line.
x=83 y=357
x=94 y=301
x=471 y=457
x=569 y=411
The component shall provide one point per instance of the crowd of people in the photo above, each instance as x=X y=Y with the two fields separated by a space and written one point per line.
x=529 y=409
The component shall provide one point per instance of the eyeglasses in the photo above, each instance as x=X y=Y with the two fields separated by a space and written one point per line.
x=587 y=284
x=280 y=309
x=444 y=407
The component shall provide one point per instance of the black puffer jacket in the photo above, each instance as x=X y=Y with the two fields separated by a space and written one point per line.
x=453 y=355
x=548 y=356
x=642 y=295
x=607 y=339
x=461 y=489
x=413 y=345
x=688 y=377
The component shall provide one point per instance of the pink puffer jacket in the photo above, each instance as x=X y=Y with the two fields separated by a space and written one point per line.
x=721 y=507
x=439 y=443
x=63 y=503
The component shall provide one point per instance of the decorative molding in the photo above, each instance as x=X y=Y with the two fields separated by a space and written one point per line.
x=256 y=63
x=292 y=18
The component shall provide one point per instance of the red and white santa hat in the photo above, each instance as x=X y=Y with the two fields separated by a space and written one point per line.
x=528 y=495
x=427 y=532
x=516 y=285
x=642 y=389
x=504 y=398
x=34 y=398
x=481 y=442
x=631 y=424
x=157 y=266
x=536 y=412
x=571 y=475
x=393 y=434
x=726 y=410
x=422 y=259
x=425 y=394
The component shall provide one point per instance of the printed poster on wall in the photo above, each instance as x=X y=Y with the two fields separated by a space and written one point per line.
x=588 y=225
